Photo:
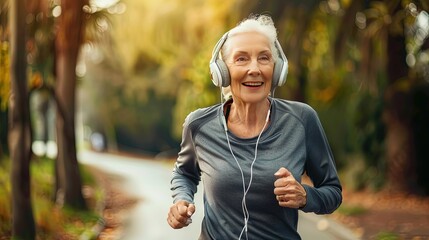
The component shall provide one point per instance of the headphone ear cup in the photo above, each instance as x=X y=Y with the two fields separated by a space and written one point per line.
x=277 y=72
x=280 y=68
x=215 y=74
x=218 y=69
x=219 y=73
x=224 y=73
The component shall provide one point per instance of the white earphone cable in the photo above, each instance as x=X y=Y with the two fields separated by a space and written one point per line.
x=246 y=213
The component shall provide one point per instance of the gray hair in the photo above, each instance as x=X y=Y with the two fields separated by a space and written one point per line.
x=262 y=24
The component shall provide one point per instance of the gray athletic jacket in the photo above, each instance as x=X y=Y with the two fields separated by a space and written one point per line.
x=294 y=139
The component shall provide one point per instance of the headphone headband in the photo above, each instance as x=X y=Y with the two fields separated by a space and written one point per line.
x=218 y=47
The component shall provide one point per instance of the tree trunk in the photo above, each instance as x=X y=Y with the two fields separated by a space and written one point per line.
x=420 y=119
x=67 y=43
x=399 y=140
x=3 y=134
x=23 y=226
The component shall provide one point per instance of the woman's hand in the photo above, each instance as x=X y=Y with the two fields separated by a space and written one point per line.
x=180 y=214
x=289 y=192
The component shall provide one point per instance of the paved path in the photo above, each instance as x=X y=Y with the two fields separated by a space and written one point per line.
x=149 y=181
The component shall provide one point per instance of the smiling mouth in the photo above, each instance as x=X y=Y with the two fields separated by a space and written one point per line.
x=253 y=84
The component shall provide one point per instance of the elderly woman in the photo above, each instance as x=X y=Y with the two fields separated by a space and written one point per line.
x=251 y=151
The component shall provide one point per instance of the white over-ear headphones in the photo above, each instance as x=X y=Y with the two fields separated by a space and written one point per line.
x=220 y=74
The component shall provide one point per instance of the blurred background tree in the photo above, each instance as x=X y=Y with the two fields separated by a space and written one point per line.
x=390 y=36
x=69 y=37
x=19 y=137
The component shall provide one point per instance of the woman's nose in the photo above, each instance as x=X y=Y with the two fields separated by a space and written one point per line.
x=254 y=67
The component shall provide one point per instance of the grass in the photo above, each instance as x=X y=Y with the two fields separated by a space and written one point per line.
x=355 y=210
x=351 y=210
x=52 y=222
x=5 y=203
x=387 y=236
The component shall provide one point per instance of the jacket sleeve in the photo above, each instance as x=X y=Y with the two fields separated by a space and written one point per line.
x=186 y=174
x=325 y=196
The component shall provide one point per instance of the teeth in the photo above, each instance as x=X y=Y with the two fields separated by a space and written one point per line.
x=253 y=84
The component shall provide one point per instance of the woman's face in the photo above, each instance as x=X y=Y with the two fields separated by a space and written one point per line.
x=251 y=65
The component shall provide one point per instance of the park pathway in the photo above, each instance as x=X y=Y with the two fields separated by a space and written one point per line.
x=149 y=181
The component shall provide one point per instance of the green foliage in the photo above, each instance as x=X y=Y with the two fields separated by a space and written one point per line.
x=4 y=74
x=162 y=70
x=197 y=92
x=371 y=130
x=154 y=132
x=5 y=201
x=42 y=169
x=370 y=139
x=51 y=221
x=387 y=236
x=78 y=221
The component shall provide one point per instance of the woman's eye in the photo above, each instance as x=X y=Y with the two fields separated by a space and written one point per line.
x=241 y=60
x=264 y=59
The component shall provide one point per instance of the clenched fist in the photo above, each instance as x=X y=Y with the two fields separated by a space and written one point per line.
x=180 y=214
x=289 y=192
